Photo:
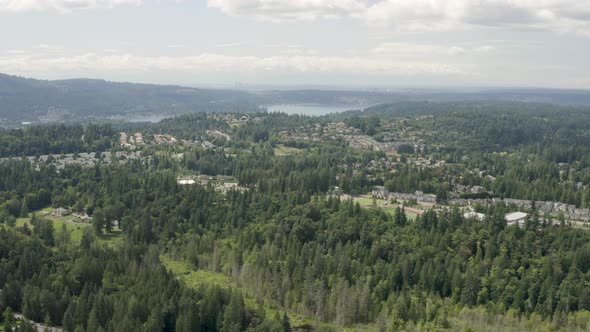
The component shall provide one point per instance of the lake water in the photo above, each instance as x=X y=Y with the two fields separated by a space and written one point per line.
x=301 y=109
x=311 y=109
x=149 y=118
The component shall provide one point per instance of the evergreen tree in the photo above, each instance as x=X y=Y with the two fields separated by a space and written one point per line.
x=9 y=319
x=286 y=323
x=24 y=210
x=26 y=326
x=68 y=319
x=188 y=321
x=98 y=221
x=233 y=314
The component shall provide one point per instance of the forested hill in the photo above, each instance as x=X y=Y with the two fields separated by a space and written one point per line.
x=386 y=96
x=83 y=100
x=33 y=100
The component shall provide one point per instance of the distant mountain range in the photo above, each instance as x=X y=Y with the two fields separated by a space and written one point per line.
x=374 y=97
x=41 y=101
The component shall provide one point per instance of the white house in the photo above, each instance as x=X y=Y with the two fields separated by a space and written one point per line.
x=380 y=192
x=186 y=181
x=474 y=215
x=59 y=212
x=517 y=218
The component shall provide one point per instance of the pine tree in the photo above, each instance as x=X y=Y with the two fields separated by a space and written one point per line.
x=24 y=209
x=64 y=236
x=68 y=319
x=470 y=288
x=188 y=321
x=286 y=323
x=88 y=238
x=400 y=216
x=92 y=324
x=8 y=318
x=233 y=314
x=98 y=221
x=27 y=326
x=8 y=326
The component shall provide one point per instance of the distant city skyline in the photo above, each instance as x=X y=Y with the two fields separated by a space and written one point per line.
x=361 y=43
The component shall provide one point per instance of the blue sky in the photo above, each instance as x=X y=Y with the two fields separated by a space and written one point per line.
x=363 y=43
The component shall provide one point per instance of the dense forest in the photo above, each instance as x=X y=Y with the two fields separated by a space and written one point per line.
x=280 y=249
x=56 y=139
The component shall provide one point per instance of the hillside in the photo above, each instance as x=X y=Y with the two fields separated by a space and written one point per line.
x=31 y=100
x=376 y=97
x=83 y=100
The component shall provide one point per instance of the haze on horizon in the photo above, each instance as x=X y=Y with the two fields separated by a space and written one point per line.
x=414 y=43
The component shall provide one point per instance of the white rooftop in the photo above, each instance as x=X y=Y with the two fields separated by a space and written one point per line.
x=469 y=215
x=515 y=216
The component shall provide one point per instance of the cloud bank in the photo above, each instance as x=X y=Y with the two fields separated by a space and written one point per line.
x=412 y=15
x=554 y=15
x=413 y=50
x=219 y=63
x=61 y=5
x=289 y=10
x=570 y=16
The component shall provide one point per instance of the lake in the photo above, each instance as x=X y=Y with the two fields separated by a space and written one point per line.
x=149 y=118
x=301 y=109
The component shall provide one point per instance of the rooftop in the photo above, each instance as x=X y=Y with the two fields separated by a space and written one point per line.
x=469 y=215
x=515 y=216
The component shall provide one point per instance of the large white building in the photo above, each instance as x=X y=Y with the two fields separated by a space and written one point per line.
x=517 y=218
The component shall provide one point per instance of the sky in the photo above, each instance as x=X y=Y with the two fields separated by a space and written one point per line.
x=361 y=43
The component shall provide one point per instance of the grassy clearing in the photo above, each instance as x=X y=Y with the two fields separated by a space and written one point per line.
x=197 y=278
x=392 y=155
x=76 y=229
x=391 y=210
x=281 y=150
x=368 y=201
x=112 y=239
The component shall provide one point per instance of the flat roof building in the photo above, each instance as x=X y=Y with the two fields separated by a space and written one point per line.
x=474 y=215
x=517 y=218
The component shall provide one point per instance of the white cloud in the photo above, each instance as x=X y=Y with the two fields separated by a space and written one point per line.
x=420 y=15
x=219 y=63
x=15 y=52
x=290 y=10
x=406 y=15
x=44 y=46
x=406 y=49
x=554 y=15
x=61 y=5
x=229 y=45
x=413 y=50
x=420 y=63
x=415 y=14
x=484 y=49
